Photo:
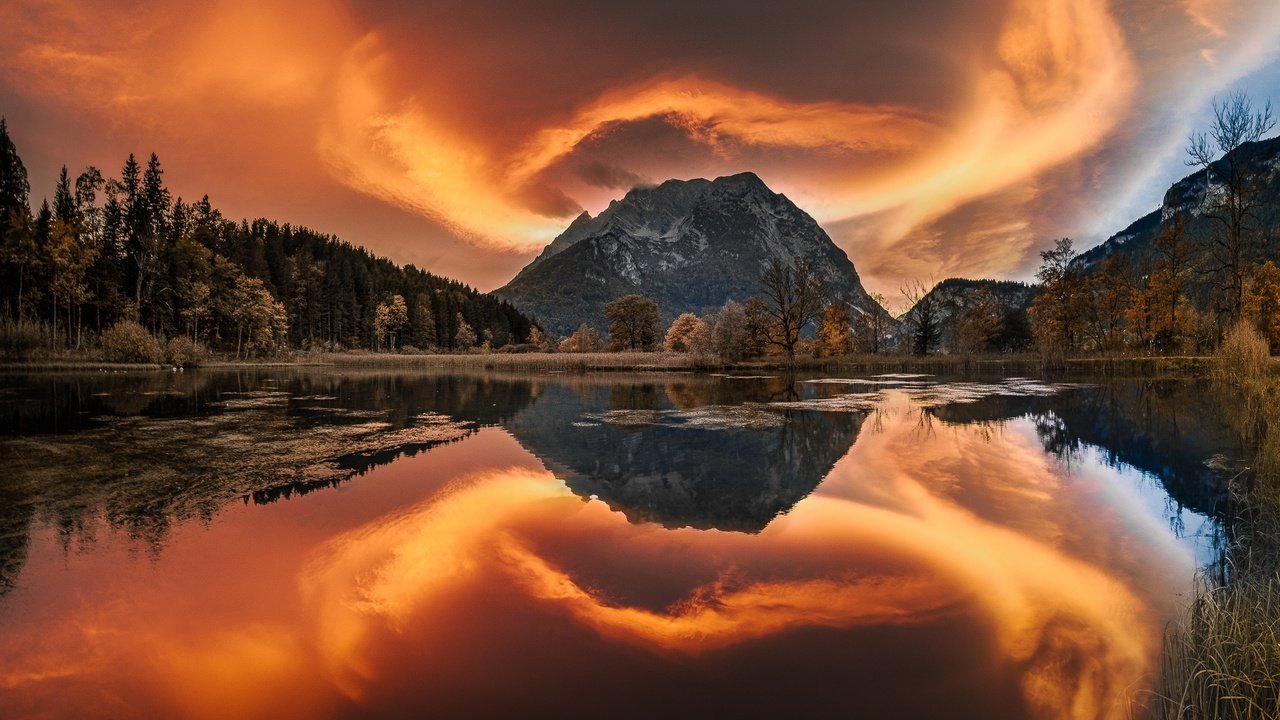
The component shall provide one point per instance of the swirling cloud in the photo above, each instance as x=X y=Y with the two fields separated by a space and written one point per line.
x=931 y=142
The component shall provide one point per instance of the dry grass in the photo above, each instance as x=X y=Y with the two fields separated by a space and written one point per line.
x=1244 y=355
x=1222 y=660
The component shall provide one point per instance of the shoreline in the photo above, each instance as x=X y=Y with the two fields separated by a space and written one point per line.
x=1184 y=365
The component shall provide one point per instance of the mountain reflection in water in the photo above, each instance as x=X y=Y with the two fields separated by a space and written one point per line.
x=668 y=545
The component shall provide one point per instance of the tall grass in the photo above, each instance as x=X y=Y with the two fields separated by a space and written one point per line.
x=1244 y=355
x=1222 y=659
x=24 y=339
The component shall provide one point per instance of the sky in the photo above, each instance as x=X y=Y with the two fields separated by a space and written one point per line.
x=930 y=139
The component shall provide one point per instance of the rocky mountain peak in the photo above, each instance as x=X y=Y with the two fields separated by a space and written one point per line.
x=689 y=244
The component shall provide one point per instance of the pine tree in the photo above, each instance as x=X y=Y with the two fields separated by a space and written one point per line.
x=16 y=246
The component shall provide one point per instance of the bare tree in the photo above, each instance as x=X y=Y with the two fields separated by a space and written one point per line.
x=923 y=319
x=1232 y=209
x=871 y=326
x=794 y=297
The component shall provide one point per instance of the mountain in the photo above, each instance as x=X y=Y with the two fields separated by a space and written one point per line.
x=688 y=244
x=1137 y=242
x=953 y=295
x=949 y=298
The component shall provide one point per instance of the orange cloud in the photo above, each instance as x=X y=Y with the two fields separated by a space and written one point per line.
x=332 y=86
x=1061 y=81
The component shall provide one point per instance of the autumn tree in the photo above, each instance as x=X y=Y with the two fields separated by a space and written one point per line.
x=1057 y=311
x=261 y=323
x=835 y=334
x=538 y=339
x=389 y=318
x=681 y=335
x=1157 y=308
x=1233 y=192
x=977 y=324
x=1110 y=292
x=68 y=261
x=465 y=338
x=583 y=340
x=794 y=297
x=633 y=323
x=1262 y=302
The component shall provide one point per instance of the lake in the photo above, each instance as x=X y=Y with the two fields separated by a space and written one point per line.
x=334 y=543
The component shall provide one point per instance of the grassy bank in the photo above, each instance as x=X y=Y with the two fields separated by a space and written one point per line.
x=1020 y=364
x=1222 y=659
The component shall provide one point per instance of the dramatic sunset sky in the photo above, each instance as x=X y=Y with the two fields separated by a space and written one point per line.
x=930 y=139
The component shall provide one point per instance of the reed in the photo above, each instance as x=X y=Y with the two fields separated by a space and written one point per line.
x=1243 y=356
x=1222 y=658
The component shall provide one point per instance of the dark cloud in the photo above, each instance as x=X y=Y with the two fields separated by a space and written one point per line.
x=549 y=201
x=612 y=177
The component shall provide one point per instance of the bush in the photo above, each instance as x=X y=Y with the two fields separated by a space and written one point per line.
x=1244 y=355
x=129 y=342
x=182 y=351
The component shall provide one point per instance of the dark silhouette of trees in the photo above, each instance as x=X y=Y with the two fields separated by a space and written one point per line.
x=633 y=322
x=922 y=323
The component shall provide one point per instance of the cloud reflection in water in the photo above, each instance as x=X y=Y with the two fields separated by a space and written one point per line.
x=904 y=530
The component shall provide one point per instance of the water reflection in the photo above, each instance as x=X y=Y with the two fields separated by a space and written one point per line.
x=685 y=545
x=676 y=459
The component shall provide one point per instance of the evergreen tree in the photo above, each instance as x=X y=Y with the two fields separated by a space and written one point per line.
x=64 y=205
x=16 y=239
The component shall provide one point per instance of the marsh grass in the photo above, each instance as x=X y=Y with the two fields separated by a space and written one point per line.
x=1243 y=356
x=24 y=339
x=1222 y=659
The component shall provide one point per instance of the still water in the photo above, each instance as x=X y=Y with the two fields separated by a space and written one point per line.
x=324 y=543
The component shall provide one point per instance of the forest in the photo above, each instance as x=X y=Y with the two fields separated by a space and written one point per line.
x=122 y=251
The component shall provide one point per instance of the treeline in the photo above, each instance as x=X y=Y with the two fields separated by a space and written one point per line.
x=112 y=250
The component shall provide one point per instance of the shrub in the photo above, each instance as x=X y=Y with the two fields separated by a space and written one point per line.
x=182 y=351
x=1244 y=355
x=129 y=342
